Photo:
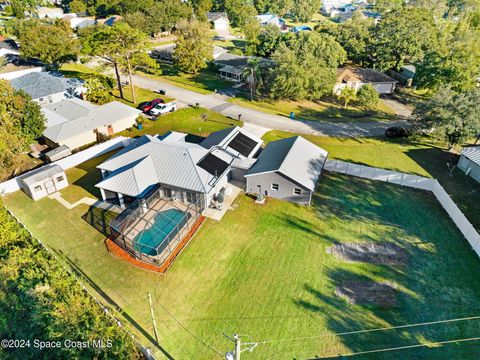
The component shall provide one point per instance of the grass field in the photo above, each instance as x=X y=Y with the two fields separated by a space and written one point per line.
x=329 y=111
x=190 y=120
x=423 y=157
x=264 y=271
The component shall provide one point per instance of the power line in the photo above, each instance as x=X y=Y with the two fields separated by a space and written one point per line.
x=404 y=347
x=191 y=333
x=371 y=330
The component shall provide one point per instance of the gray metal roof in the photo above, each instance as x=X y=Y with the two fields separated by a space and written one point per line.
x=174 y=164
x=95 y=117
x=212 y=16
x=295 y=157
x=472 y=153
x=41 y=84
x=44 y=173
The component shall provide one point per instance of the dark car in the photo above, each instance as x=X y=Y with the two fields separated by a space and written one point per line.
x=397 y=131
x=149 y=105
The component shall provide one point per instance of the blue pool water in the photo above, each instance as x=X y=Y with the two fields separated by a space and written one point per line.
x=154 y=240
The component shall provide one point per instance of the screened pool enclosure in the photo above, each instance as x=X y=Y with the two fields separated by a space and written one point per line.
x=150 y=228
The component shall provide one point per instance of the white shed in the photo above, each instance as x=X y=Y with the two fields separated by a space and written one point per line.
x=44 y=181
x=469 y=162
x=221 y=24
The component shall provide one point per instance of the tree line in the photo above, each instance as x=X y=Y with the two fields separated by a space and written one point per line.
x=41 y=300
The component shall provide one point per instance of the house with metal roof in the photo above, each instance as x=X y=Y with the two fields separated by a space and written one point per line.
x=175 y=168
x=287 y=169
x=48 y=88
x=469 y=162
x=75 y=122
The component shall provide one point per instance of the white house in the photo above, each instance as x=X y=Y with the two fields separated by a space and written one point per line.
x=469 y=162
x=270 y=19
x=219 y=20
x=47 y=88
x=74 y=122
x=355 y=78
x=49 y=12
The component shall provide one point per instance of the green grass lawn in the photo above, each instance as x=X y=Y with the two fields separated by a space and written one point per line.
x=327 y=110
x=264 y=271
x=205 y=82
x=423 y=157
x=200 y=122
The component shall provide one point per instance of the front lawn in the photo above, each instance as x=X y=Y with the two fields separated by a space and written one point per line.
x=264 y=271
x=328 y=111
x=195 y=121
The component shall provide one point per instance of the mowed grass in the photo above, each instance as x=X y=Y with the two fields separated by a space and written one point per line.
x=264 y=271
x=195 y=121
x=422 y=157
x=328 y=110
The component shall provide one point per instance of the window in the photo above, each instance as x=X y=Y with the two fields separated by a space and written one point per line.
x=59 y=178
x=297 y=191
x=274 y=186
x=38 y=188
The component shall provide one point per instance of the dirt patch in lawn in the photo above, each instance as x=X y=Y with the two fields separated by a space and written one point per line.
x=378 y=253
x=383 y=294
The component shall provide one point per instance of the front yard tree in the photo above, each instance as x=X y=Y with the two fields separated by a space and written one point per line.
x=239 y=11
x=193 y=47
x=53 y=44
x=305 y=67
x=347 y=94
x=367 y=97
x=21 y=121
x=452 y=116
x=402 y=35
x=98 y=91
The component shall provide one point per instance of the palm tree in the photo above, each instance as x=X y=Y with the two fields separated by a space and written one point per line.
x=347 y=94
x=252 y=75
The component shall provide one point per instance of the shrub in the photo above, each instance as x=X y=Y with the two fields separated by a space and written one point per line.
x=367 y=97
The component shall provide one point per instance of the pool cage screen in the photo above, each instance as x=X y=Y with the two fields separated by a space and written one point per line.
x=150 y=228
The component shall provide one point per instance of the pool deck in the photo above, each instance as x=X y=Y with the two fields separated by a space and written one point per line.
x=231 y=192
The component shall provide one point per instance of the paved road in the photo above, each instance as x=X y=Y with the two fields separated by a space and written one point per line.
x=219 y=103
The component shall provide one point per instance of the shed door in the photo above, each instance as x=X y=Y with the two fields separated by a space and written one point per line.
x=50 y=187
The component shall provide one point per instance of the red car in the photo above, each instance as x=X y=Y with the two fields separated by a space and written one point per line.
x=149 y=105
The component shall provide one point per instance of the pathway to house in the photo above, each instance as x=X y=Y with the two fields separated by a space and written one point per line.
x=86 y=201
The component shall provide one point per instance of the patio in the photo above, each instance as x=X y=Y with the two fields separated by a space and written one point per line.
x=232 y=189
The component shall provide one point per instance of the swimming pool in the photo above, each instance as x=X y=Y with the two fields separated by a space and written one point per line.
x=154 y=240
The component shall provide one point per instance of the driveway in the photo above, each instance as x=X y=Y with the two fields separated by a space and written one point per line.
x=219 y=103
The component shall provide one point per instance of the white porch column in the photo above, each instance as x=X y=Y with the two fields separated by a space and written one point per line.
x=120 y=200
x=103 y=194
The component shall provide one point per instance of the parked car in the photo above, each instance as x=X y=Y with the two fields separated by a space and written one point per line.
x=219 y=38
x=397 y=131
x=149 y=105
x=161 y=109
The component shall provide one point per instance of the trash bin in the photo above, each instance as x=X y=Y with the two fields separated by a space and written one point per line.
x=139 y=126
x=292 y=115
x=162 y=92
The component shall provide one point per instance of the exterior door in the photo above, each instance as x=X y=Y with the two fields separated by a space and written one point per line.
x=50 y=187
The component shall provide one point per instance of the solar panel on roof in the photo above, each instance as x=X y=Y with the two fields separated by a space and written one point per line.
x=243 y=144
x=213 y=165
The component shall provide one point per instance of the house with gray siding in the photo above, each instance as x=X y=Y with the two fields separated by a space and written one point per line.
x=287 y=169
x=469 y=162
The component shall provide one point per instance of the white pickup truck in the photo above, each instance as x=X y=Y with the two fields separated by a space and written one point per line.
x=161 y=109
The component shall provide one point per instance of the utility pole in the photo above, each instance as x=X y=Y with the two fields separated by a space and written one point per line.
x=153 y=318
x=238 y=346
x=235 y=354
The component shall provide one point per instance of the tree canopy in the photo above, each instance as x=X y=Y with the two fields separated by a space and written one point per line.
x=451 y=115
x=306 y=66
x=21 y=121
x=53 y=44
x=193 y=46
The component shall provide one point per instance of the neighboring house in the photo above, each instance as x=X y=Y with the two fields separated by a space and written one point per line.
x=329 y=5
x=49 y=12
x=270 y=19
x=11 y=71
x=469 y=162
x=164 y=53
x=176 y=169
x=8 y=47
x=74 y=122
x=355 y=78
x=77 y=22
x=47 y=88
x=44 y=181
x=406 y=75
x=219 y=20
x=287 y=169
